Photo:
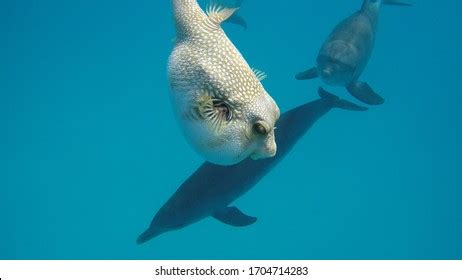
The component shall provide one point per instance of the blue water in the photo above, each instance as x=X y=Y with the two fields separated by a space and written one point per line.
x=89 y=149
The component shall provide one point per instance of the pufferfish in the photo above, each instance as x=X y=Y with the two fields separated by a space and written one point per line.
x=224 y=111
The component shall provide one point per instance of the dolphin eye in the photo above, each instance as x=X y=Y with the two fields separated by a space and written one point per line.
x=260 y=129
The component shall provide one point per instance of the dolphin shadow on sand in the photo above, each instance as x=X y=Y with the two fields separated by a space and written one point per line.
x=212 y=188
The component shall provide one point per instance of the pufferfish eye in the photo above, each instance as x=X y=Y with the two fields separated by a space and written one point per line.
x=259 y=128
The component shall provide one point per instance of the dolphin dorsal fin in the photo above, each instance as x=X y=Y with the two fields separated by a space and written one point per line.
x=218 y=14
x=234 y=217
x=259 y=74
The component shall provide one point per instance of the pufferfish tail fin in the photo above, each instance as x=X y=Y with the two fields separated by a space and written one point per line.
x=219 y=14
x=238 y=20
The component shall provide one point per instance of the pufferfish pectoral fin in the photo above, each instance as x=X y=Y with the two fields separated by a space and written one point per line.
x=234 y=217
x=218 y=14
x=215 y=112
x=204 y=103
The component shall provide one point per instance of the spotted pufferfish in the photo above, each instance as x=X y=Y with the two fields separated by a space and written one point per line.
x=224 y=111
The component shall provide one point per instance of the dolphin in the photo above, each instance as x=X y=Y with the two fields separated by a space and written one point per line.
x=347 y=50
x=212 y=188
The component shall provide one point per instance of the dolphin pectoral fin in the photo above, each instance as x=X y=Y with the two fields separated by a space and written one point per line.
x=234 y=217
x=363 y=92
x=307 y=75
x=397 y=3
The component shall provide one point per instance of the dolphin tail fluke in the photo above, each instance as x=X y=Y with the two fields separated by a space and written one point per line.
x=364 y=93
x=397 y=3
x=337 y=102
x=147 y=235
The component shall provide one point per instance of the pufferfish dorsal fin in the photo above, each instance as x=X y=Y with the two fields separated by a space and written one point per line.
x=218 y=14
x=259 y=74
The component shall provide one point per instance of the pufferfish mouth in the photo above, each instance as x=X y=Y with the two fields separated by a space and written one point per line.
x=267 y=153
